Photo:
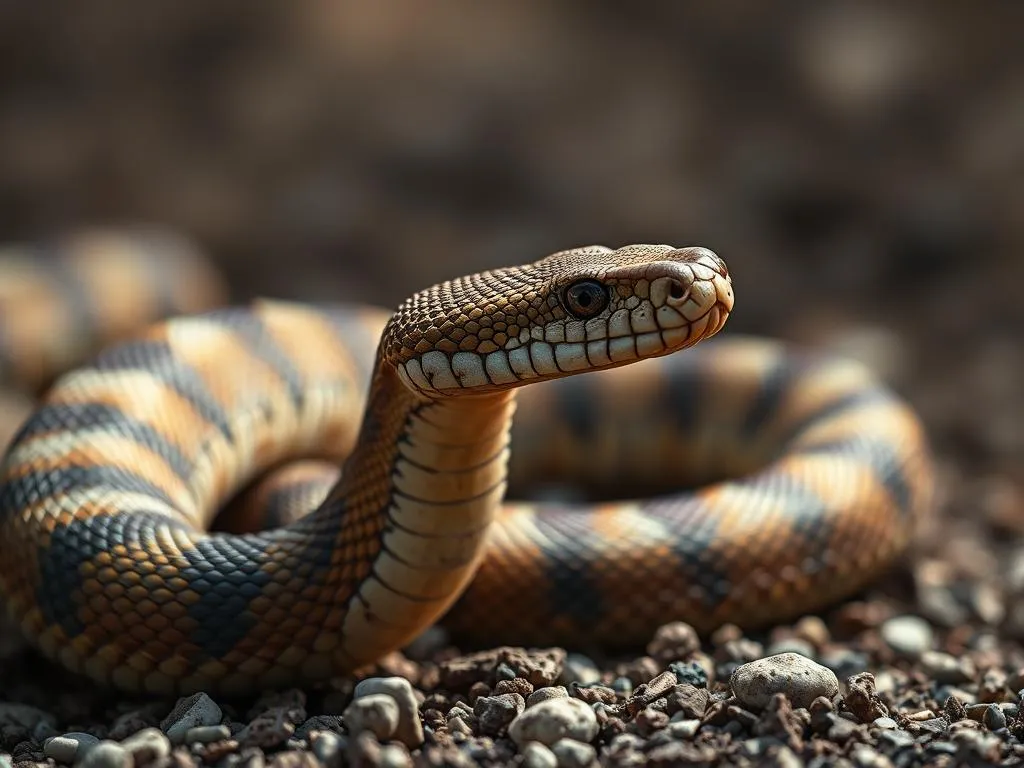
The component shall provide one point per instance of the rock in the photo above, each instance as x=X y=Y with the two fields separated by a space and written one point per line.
x=189 y=712
x=205 y=734
x=673 y=642
x=536 y=755
x=34 y=723
x=946 y=668
x=908 y=636
x=106 y=754
x=376 y=712
x=862 y=700
x=546 y=694
x=270 y=728
x=151 y=745
x=410 y=729
x=801 y=679
x=573 y=754
x=69 y=746
x=540 y=666
x=994 y=719
x=683 y=729
x=328 y=747
x=580 y=669
x=549 y=721
x=494 y=713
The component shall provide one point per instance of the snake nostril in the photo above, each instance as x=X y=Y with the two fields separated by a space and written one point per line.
x=676 y=290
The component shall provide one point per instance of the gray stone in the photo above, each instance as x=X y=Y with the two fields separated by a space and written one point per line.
x=908 y=636
x=69 y=747
x=106 y=754
x=536 y=755
x=555 y=719
x=377 y=713
x=801 y=679
x=410 y=729
x=189 y=712
x=573 y=754
x=150 y=745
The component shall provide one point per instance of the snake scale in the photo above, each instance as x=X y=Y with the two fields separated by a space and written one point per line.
x=274 y=494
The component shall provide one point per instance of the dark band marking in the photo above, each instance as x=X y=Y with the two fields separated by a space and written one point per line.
x=31 y=488
x=157 y=359
x=249 y=329
x=74 y=417
x=71 y=546
x=226 y=572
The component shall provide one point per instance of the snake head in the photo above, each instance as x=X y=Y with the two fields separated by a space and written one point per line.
x=574 y=311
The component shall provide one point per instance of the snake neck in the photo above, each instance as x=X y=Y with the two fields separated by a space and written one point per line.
x=425 y=480
x=439 y=450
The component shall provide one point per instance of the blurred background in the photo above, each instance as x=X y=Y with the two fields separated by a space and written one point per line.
x=859 y=165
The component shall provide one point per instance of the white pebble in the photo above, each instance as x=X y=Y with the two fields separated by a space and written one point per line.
x=909 y=636
x=683 y=730
x=801 y=679
x=536 y=755
x=410 y=729
x=148 y=746
x=554 y=719
x=376 y=713
x=328 y=746
x=546 y=694
x=69 y=747
x=573 y=754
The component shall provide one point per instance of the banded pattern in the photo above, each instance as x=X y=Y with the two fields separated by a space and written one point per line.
x=806 y=477
x=61 y=300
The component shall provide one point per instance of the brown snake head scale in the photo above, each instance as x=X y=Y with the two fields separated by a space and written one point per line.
x=583 y=309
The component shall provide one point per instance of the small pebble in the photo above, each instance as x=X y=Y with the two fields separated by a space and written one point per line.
x=993 y=719
x=689 y=672
x=673 y=642
x=376 y=713
x=151 y=745
x=106 y=754
x=496 y=712
x=189 y=712
x=683 y=729
x=328 y=747
x=580 y=669
x=907 y=635
x=545 y=694
x=536 y=755
x=573 y=754
x=946 y=668
x=410 y=729
x=813 y=630
x=204 y=734
x=68 y=747
x=885 y=722
x=549 y=721
x=801 y=679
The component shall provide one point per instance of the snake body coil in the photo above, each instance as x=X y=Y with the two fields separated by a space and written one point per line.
x=808 y=477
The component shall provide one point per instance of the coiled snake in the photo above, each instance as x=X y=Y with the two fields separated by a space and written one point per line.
x=750 y=483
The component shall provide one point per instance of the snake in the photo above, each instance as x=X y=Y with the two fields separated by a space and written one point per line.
x=279 y=493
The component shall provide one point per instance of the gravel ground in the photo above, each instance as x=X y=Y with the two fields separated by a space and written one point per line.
x=862 y=161
x=871 y=687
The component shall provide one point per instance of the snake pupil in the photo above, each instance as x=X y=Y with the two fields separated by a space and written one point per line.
x=585 y=298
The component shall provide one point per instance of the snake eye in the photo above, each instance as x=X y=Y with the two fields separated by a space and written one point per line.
x=586 y=298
